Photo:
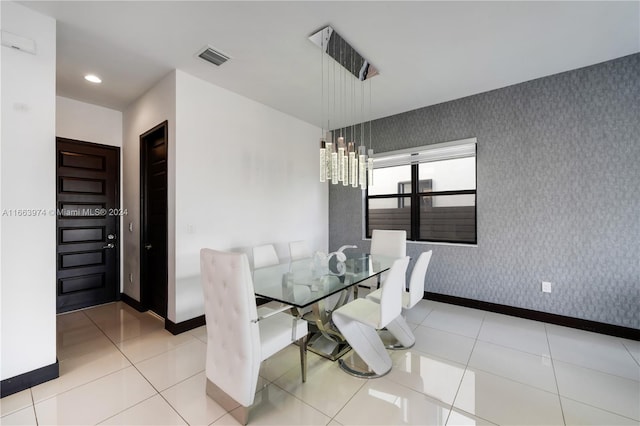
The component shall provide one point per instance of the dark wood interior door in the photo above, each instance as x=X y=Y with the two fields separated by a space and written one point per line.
x=87 y=225
x=153 y=190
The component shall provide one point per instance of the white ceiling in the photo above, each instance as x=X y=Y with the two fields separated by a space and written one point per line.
x=426 y=52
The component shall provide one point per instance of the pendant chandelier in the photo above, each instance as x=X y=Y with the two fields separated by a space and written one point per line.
x=343 y=75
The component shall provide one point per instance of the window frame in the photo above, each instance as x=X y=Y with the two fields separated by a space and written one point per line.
x=416 y=195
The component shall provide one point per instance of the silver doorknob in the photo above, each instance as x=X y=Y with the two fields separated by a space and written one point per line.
x=109 y=246
x=148 y=246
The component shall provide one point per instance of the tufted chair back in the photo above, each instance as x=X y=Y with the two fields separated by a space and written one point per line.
x=264 y=256
x=299 y=250
x=233 y=336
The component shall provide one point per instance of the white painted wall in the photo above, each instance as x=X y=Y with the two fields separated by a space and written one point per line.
x=240 y=174
x=246 y=175
x=28 y=263
x=151 y=109
x=88 y=122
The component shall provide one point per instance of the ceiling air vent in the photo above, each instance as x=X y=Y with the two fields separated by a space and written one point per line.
x=215 y=57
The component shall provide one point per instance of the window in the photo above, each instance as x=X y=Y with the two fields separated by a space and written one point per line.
x=430 y=192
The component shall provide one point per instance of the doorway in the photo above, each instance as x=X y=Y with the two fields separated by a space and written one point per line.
x=153 y=221
x=87 y=224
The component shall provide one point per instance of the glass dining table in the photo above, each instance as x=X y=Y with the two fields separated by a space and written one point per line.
x=314 y=288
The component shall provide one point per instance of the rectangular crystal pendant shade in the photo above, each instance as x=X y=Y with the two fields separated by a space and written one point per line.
x=334 y=167
x=362 y=167
x=370 y=168
x=341 y=163
x=340 y=171
x=323 y=160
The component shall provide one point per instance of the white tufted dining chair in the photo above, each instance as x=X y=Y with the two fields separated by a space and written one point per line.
x=399 y=327
x=389 y=243
x=264 y=256
x=238 y=339
x=359 y=320
x=299 y=250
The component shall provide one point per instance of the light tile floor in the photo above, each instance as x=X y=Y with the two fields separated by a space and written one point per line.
x=468 y=367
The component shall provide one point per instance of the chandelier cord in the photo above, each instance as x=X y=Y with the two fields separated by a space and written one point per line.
x=370 y=115
x=322 y=85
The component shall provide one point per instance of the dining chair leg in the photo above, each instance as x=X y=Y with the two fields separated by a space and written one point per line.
x=237 y=410
x=303 y=357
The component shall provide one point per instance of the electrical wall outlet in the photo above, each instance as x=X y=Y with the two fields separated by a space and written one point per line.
x=546 y=287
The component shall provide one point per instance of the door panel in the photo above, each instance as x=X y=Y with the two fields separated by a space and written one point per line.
x=88 y=184
x=153 y=167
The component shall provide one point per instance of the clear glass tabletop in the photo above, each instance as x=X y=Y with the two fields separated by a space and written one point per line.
x=301 y=283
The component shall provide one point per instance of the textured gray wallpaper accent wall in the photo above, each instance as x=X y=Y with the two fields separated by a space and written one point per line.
x=558 y=184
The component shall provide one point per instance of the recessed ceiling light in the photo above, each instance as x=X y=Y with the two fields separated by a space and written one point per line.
x=92 y=78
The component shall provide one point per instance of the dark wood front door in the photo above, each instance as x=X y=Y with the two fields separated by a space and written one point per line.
x=153 y=190
x=87 y=225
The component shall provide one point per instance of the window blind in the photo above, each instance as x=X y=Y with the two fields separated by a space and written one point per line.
x=424 y=154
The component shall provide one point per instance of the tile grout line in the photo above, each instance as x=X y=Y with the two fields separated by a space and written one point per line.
x=596 y=370
x=132 y=365
x=586 y=368
x=549 y=331
x=143 y=376
x=466 y=367
x=175 y=384
x=161 y=353
x=102 y=331
x=512 y=379
x=120 y=412
x=590 y=404
x=364 y=382
x=427 y=316
x=33 y=406
x=302 y=401
x=509 y=347
x=174 y=408
x=81 y=384
x=451 y=407
x=603 y=409
x=159 y=393
x=637 y=361
x=421 y=324
x=555 y=375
